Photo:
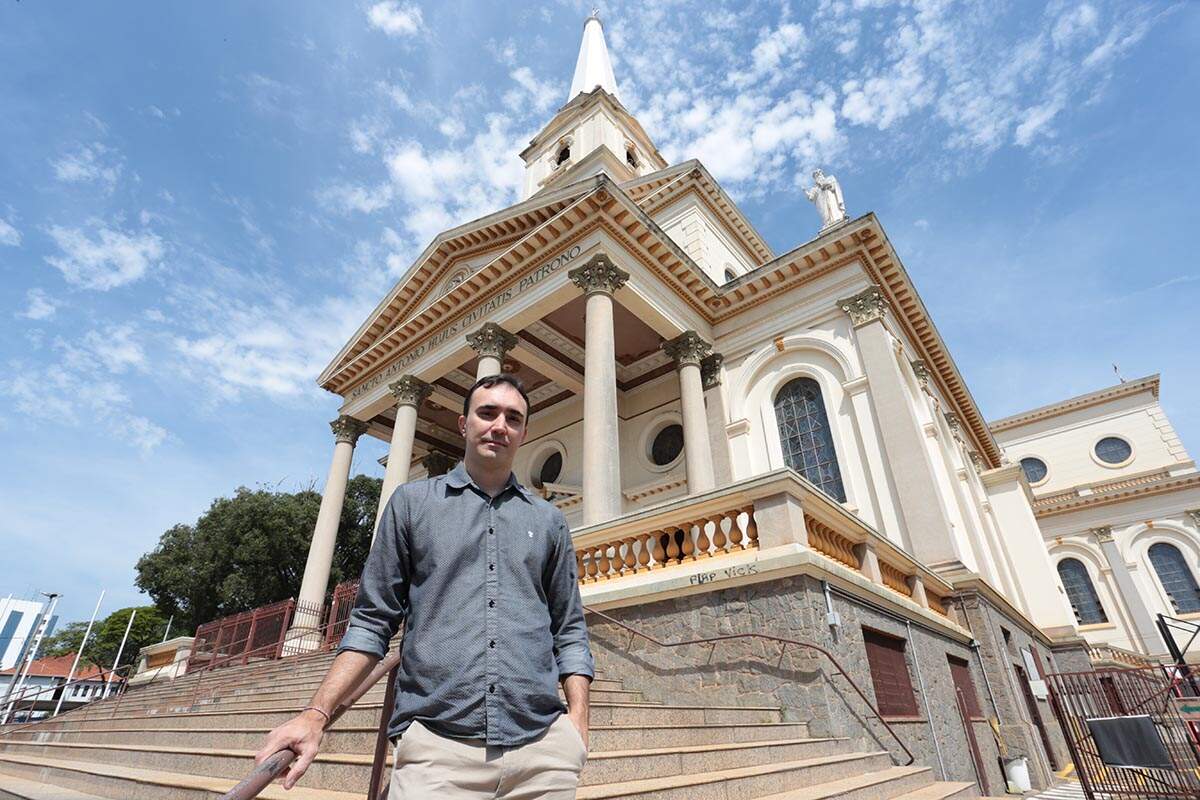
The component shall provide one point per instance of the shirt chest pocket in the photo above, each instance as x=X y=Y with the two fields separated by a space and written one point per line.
x=526 y=549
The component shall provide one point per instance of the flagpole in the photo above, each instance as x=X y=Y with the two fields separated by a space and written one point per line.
x=79 y=654
x=120 y=650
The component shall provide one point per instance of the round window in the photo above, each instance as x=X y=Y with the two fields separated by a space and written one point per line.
x=1113 y=450
x=1035 y=469
x=667 y=445
x=549 y=471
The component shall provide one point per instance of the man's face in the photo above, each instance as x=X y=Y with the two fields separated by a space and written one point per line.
x=495 y=426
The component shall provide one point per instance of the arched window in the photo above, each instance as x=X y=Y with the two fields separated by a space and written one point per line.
x=1080 y=591
x=1176 y=577
x=805 y=435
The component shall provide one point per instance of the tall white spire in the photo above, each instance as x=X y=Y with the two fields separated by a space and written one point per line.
x=593 y=68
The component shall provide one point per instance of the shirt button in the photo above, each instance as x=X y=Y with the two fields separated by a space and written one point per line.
x=491 y=603
x=491 y=530
x=491 y=567
x=492 y=643
x=492 y=689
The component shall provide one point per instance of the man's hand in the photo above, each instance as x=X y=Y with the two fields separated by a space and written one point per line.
x=302 y=735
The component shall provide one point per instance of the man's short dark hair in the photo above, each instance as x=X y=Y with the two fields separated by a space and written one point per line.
x=488 y=381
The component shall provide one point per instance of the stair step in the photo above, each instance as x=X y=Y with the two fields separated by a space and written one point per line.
x=14 y=788
x=890 y=784
x=752 y=781
x=132 y=783
x=944 y=790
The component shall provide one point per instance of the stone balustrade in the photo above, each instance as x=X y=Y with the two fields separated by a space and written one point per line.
x=776 y=509
x=1104 y=655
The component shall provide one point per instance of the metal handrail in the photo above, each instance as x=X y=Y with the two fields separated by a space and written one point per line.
x=713 y=640
x=16 y=702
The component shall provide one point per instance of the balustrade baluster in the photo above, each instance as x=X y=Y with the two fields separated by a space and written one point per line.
x=719 y=538
x=689 y=546
x=702 y=543
x=736 y=535
x=592 y=569
x=751 y=527
x=660 y=555
x=580 y=569
x=643 y=555
x=672 y=546
x=629 y=560
x=602 y=550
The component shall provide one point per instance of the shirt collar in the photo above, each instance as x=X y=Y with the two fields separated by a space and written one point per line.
x=459 y=478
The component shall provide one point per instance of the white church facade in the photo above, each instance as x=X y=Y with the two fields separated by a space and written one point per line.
x=782 y=442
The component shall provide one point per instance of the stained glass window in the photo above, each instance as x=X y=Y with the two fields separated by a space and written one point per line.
x=805 y=435
x=1081 y=592
x=1035 y=469
x=1113 y=450
x=1176 y=577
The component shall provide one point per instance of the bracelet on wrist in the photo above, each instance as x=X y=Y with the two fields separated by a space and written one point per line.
x=320 y=711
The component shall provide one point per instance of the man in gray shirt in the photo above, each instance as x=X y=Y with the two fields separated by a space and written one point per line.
x=482 y=572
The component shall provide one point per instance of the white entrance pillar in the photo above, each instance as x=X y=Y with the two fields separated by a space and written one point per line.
x=492 y=343
x=410 y=391
x=688 y=350
x=346 y=431
x=599 y=279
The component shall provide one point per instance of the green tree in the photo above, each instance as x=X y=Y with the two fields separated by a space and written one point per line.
x=148 y=628
x=249 y=550
x=65 y=640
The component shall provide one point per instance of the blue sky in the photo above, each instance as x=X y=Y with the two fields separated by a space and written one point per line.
x=200 y=202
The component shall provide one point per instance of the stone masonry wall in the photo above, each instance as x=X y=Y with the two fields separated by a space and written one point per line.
x=802 y=683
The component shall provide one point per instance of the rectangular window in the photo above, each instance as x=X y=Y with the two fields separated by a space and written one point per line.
x=960 y=673
x=889 y=673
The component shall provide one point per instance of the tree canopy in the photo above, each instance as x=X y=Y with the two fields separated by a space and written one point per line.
x=148 y=628
x=249 y=550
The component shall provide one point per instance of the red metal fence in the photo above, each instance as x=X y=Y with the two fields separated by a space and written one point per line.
x=1082 y=699
x=344 y=595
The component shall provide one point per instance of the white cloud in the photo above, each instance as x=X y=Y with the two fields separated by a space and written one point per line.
x=544 y=94
x=80 y=387
x=347 y=199
x=8 y=234
x=92 y=163
x=38 y=305
x=397 y=95
x=156 y=112
x=395 y=19
x=113 y=258
x=775 y=48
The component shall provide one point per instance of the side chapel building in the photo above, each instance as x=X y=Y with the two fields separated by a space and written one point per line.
x=745 y=440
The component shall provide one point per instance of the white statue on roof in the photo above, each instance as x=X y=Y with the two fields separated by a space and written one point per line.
x=826 y=195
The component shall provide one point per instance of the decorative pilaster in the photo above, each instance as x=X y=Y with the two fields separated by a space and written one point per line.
x=437 y=463
x=599 y=278
x=491 y=343
x=688 y=351
x=599 y=274
x=409 y=392
x=710 y=371
x=866 y=306
x=1145 y=630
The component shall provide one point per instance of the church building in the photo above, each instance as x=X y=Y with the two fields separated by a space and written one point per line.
x=781 y=443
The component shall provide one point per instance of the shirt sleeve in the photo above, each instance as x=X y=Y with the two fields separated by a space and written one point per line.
x=572 y=652
x=382 y=601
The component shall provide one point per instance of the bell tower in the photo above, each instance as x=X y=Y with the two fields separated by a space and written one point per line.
x=593 y=132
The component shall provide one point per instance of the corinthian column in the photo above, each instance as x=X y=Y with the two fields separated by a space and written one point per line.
x=688 y=350
x=492 y=343
x=346 y=431
x=409 y=392
x=599 y=279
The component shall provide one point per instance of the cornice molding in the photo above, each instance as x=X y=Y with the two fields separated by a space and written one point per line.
x=1149 y=383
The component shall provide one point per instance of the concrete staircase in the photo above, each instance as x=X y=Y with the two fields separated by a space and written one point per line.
x=159 y=745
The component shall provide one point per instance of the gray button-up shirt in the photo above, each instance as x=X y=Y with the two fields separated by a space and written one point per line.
x=489 y=596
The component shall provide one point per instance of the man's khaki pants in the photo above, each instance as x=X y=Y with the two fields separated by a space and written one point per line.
x=433 y=766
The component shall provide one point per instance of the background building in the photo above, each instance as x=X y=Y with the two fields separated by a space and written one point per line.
x=18 y=618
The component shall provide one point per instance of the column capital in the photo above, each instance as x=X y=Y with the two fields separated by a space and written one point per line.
x=599 y=274
x=977 y=462
x=1194 y=516
x=1103 y=533
x=921 y=370
x=955 y=424
x=710 y=371
x=410 y=390
x=491 y=340
x=348 y=429
x=866 y=306
x=687 y=348
x=438 y=463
